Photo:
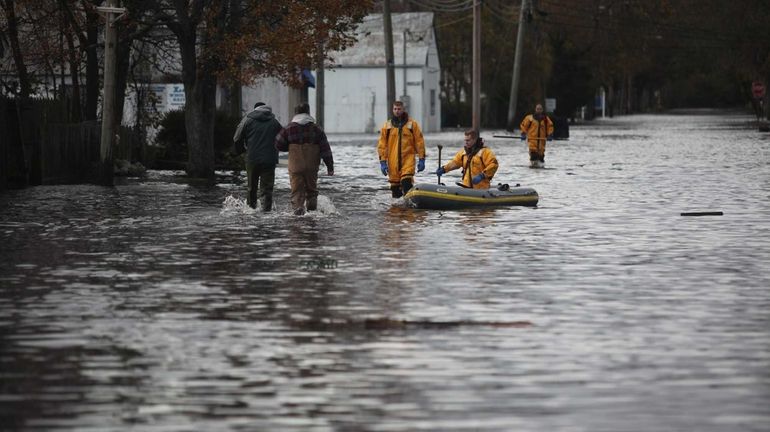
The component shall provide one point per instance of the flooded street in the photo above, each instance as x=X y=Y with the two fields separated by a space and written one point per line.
x=164 y=304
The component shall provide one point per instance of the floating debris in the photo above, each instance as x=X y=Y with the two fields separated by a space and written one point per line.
x=389 y=324
x=705 y=213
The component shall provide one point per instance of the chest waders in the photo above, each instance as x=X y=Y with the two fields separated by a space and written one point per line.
x=400 y=135
x=538 y=154
x=405 y=183
x=467 y=167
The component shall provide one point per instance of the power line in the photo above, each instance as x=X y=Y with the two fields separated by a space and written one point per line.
x=501 y=9
x=466 y=17
x=445 y=6
x=686 y=31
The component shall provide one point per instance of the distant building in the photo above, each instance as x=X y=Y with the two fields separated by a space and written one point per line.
x=355 y=90
x=281 y=98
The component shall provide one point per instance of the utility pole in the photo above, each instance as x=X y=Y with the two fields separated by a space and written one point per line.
x=319 y=87
x=112 y=14
x=235 y=92
x=476 y=104
x=404 y=96
x=517 y=64
x=390 y=75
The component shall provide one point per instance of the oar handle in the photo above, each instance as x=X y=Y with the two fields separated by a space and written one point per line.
x=439 y=162
x=518 y=137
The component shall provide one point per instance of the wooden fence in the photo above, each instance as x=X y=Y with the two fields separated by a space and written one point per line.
x=5 y=152
x=69 y=153
x=39 y=145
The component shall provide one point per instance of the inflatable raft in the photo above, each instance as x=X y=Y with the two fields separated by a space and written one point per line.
x=440 y=197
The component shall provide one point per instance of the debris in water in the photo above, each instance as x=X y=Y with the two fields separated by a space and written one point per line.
x=705 y=213
x=389 y=324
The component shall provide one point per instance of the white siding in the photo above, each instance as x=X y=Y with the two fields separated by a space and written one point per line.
x=355 y=90
x=351 y=99
x=432 y=75
x=356 y=99
x=273 y=92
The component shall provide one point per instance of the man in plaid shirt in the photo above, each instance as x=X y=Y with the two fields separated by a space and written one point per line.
x=307 y=145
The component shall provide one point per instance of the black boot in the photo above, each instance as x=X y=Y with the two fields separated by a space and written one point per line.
x=267 y=204
x=406 y=184
x=396 y=191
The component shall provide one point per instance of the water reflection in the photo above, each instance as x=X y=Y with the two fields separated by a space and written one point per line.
x=165 y=304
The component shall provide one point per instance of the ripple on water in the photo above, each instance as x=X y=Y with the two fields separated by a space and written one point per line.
x=169 y=304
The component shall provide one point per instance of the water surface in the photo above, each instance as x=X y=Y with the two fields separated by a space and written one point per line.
x=165 y=304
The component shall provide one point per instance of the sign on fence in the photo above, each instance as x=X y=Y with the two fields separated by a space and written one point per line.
x=176 y=96
x=164 y=97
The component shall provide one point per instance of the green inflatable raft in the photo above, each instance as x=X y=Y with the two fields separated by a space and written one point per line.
x=441 y=197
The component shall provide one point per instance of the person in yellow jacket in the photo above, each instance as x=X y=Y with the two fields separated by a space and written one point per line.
x=400 y=140
x=479 y=163
x=537 y=128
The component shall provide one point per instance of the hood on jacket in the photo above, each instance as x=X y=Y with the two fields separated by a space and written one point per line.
x=302 y=119
x=262 y=113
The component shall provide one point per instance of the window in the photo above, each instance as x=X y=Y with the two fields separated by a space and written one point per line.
x=432 y=102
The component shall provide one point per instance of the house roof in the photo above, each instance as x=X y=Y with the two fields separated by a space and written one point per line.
x=369 y=51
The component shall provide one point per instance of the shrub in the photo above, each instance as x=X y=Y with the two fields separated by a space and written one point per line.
x=172 y=136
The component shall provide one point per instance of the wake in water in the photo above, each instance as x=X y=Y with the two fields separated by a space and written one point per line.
x=384 y=201
x=325 y=207
x=235 y=206
x=232 y=205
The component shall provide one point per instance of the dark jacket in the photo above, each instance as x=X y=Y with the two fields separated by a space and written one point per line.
x=257 y=131
x=306 y=144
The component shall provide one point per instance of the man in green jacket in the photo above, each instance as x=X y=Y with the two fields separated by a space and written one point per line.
x=256 y=132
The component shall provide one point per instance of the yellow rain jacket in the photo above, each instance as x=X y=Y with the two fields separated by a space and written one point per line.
x=484 y=161
x=537 y=132
x=399 y=146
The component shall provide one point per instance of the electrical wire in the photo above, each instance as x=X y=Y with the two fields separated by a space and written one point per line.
x=509 y=16
x=688 y=32
x=438 y=6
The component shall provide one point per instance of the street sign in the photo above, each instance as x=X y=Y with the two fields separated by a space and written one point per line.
x=550 y=105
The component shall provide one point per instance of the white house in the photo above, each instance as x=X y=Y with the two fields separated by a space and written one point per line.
x=355 y=90
x=281 y=98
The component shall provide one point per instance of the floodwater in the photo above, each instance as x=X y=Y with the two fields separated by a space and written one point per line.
x=164 y=305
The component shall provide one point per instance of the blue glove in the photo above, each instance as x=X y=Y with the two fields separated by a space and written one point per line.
x=523 y=136
x=477 y=179
x=421 y=165
x=549 y=137
x=384 y=167
x=440 y=171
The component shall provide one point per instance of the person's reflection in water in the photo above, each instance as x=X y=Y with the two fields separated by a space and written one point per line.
x=311 y=269
x=476 y=224
x=400 y=229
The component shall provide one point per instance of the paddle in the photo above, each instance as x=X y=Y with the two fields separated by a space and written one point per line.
x=439 y=162
x=517 y=137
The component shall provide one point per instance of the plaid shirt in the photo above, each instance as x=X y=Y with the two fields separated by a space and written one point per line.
x=309 y=133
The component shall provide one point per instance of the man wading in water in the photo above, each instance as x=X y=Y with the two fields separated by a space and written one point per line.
x=537 y=128
x=256 y=135
x=307 y=145
x=400 y=140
